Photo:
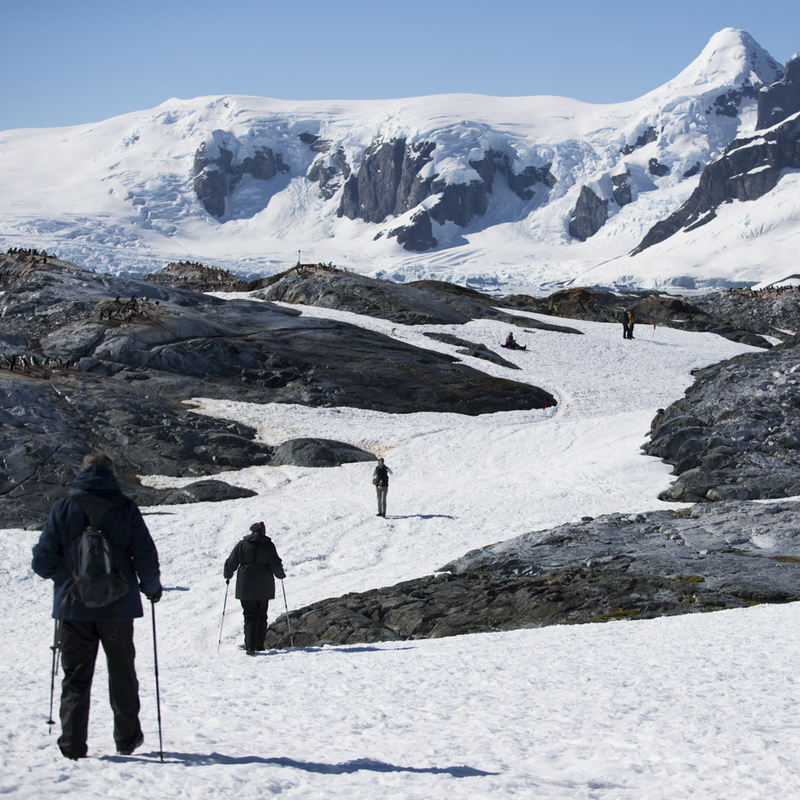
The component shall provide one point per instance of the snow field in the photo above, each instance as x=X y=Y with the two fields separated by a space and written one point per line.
x=701 y=706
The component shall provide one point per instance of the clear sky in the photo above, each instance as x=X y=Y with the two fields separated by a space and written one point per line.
x=67 y=62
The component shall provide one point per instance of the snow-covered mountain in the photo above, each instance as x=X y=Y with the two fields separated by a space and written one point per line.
x=524 y=193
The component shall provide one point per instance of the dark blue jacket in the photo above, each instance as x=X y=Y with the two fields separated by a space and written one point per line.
x=255 y=561
x=134 y=551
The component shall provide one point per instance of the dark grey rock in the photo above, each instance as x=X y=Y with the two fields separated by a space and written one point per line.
x=734 y=435
x=782 y=99
x=415 y=303
x=388 y=181
x=649 y=135
x=655 y=167
x=417 y=236
x=473 y=349
x=589 y=215
x=197 y=277
x=747 y=170
x=318 y=453
x=765 y=312
x=623 y=195
x=211 y=179
x=93 y=379
x=459 y=202
x=210 y=491
x=615 y=567
x=216 y=178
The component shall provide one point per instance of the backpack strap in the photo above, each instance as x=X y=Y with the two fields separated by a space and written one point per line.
x=95 y=508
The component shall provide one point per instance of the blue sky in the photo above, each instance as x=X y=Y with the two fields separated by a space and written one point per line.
x=67 y=62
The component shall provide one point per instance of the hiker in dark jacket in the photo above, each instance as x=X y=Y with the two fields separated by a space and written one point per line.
x=81 y=629
x=256 y=564
x=380 y=479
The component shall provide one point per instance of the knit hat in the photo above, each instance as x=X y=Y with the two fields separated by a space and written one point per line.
x=258 y=527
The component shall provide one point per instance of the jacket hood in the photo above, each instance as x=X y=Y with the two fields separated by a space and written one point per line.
x=97 y=480
x=257 y=536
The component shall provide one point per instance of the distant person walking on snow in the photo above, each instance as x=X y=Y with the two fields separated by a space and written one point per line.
x=631 y=323
x=624 y=320
x=96 y=493
x=380 y=479
x=256 y=564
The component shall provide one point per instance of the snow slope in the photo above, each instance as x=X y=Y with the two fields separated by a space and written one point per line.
x=119 y=195
x=701 y=706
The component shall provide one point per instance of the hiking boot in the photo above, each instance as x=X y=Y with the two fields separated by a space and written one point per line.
x=71 y=755
x=250 y=651
x=126 y=750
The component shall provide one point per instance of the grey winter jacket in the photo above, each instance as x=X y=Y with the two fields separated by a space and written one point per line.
x=255 y=561
x=133 y=548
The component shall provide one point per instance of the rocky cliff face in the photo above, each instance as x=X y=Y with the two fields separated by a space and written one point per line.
x=217 y=173
x=782 y=99
x=392 y=179
x=747 y=170
x=589 y=215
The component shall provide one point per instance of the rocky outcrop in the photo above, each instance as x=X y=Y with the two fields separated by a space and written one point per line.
x=392 y=180
x=77 y=375
x=782 y=99
x=649 y=135
x=615 y=567
x=772 y=311
x=317 y=453
x=650 y=308
x=197 y=277
x=747 y=170
x=655 y=167
x=416 y=303
x=417 y=236
x=473 y=349
x=216 y=176
x=622 y=191
x=588 y=216
x=734 y=435
x=388 y=181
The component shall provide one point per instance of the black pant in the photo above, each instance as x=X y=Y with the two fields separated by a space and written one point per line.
x=255 y=623
x=79 y=642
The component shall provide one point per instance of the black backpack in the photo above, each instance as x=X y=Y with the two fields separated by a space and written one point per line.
x=95 y=581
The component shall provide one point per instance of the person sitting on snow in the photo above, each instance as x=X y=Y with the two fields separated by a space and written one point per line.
x=512 y=344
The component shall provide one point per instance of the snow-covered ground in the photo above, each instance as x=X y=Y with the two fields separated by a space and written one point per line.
x=701 y=706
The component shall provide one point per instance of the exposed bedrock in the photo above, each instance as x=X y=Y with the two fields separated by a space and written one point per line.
x=90 y=361
x=217 y=170
x=588 y=216
x=614 y=567
x=747 y=170
x=736 y=432
x=393 y=179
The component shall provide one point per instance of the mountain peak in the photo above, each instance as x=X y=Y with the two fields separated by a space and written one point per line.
x=732 y=57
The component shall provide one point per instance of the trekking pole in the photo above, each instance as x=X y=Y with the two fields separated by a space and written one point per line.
x=158 y=694
x=288 y=623
x=227 y=584
x=54 y=669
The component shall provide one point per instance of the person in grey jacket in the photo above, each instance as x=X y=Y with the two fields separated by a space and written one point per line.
x=256 y=564
x=82 y=628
